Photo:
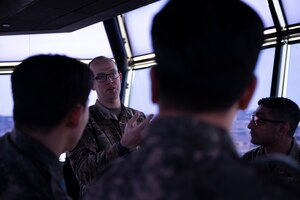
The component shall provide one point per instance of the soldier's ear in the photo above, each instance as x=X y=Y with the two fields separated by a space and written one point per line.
x=74 y=117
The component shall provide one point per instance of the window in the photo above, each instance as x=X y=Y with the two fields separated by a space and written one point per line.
x=6 y=105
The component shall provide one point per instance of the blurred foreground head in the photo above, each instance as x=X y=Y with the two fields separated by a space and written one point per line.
x=206 y=52
x=46 y=88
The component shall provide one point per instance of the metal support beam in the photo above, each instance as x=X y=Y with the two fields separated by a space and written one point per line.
x=118 y=50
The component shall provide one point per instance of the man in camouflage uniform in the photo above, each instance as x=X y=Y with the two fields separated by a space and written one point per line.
x=206 y=54
x=273 y=126
x=106 y=138
x=50 y=94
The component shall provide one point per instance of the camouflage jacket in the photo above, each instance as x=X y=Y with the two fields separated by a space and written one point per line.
x=277 y=168
x=186 y=159
x=28 y=170
x=97 y=147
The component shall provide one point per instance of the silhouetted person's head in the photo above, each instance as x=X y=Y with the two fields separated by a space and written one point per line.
x=46 y=88
x=206 y=53
x=282 y=109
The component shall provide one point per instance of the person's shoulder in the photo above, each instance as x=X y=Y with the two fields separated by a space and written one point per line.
x=252 y=150
x=128 y=108
x=18 y=179
x=92 y=107
x=251 y=154
x=96 y=112
x=7 y=149
x=3 y=139
x=24 y=191
x=133 y=111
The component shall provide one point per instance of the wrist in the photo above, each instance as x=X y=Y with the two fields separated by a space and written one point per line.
x=122 y=151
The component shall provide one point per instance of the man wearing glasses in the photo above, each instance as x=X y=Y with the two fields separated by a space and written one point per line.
x=272 y=127
x=113 y=130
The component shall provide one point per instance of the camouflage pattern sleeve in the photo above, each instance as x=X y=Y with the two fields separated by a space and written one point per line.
x=98 y=145
x=91 y=155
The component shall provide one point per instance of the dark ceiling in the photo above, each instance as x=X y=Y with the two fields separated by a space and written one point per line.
x=53 y=16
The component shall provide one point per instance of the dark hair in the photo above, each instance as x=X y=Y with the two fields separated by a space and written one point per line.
x=284 y=109
x=206 y=52
x=45 y=88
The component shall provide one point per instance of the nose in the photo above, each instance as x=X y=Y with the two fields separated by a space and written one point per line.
x=251 y=124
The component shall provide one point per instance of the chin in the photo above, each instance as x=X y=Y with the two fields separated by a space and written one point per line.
x=254 y=142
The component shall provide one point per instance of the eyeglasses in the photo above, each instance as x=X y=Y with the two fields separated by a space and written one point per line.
x=102 y=77
x=260 y=120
